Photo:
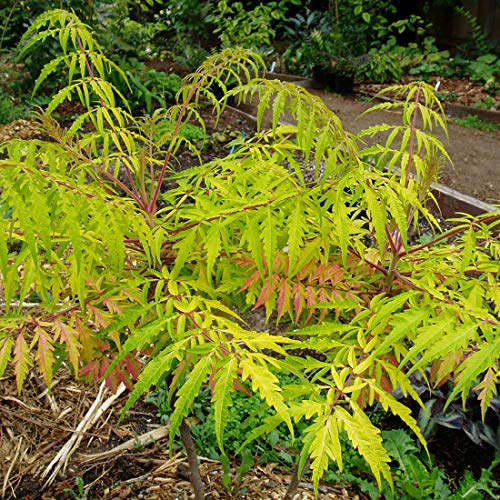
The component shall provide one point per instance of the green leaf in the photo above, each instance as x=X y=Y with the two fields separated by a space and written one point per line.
x=378 y=213
x=468 y=251
x=266 y=384
x=188 y=392
x=296 y=231
x=366 y=438
x=322 y=444
x=223 y=387
x=269 y=239
x=477 y=363
x=404 y=413
x=22 y=360
x=269 y=425
x=154 y=371
x=213 y=245
x=47 y=70
x=404 y=325
x=45 y=354
x=5 y=353
x=454 y=341
x=398 y=444
x=430 y=335
x=342 y=225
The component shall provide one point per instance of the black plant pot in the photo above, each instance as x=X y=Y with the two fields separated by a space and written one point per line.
x=331 y=80
x=344 y=84
x=322 y=78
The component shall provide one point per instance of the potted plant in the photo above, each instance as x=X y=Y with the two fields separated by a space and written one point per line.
x=335 y=72
x=320 y=50
x=305 y=33
x=345 y=71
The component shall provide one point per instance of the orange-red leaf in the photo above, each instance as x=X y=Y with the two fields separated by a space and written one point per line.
x=298 y=303
x=283 y=303
x=244 y=261
x=69 y=337
x=112 y=306
x=22 y=360
x=99 y=316
x=45 y=354
x=265 y=294
x=250 y=281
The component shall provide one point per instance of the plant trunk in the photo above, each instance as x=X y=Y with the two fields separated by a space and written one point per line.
x=194 y=468
x=294 y=484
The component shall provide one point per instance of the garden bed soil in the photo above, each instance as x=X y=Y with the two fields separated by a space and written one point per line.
x=475 y=154
x=461 y=91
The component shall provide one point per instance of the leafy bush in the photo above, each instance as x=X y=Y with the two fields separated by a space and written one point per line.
x=12 y=105
x=389 y=62
x=145 y=88
x=9 y=111
x=186 y=18
x=127 y=259
x=254 y=29
x=124 y=38
x=317 y=42
x=486 y=69
x=383 y=64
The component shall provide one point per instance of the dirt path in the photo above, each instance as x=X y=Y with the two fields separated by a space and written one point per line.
x=475 y=154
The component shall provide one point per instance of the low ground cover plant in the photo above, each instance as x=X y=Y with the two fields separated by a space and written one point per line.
x=124 y=266
x=414 y=472
x=473 y=121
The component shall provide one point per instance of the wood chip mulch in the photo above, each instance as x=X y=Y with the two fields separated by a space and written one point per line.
x=461 y=90
x=113 y=460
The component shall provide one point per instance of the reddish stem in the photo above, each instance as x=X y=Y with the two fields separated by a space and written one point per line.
x=451 y=233
x=412 y=139
x=152 y=206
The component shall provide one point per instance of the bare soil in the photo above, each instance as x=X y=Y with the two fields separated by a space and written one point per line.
x=475 y=154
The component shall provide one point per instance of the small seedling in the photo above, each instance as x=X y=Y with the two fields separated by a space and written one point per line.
x=80 y=493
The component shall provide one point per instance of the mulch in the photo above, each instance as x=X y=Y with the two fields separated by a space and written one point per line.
x=113 y=460
x=461 y=91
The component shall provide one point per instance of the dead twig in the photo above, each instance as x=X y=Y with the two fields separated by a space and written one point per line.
x=99 y=406
x=9 y=471
x=143 y=440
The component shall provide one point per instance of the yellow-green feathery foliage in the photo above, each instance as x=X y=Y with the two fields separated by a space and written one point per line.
x=105 y=263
